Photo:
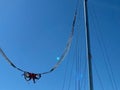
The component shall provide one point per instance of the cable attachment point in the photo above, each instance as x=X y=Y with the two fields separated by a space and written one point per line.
x=28 y=76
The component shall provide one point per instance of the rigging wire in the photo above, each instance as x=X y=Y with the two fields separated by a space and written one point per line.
x=76 y=11
x=78 y=58
x=78 y=62
x=71 y=67
x=66 y=70
x=74 y=55
x=107 y=60
x=65 y=76
x=84 y=80
x=98 y=76
x=108 y=66
x=71 y=73
x=94 y=65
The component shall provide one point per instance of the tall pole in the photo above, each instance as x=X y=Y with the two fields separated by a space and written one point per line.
x=88 y=51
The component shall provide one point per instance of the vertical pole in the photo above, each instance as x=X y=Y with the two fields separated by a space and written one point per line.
x=88 y=52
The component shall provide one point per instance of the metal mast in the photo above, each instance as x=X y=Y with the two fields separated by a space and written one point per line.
x=88 y=51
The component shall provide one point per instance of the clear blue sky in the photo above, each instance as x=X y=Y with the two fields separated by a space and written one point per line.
x=33 y=33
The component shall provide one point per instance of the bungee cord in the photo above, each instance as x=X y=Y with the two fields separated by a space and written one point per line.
x=66 y=50
x=9 y=61
x=36 y=76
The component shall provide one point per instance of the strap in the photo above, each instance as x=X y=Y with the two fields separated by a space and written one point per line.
x=66 y=50
x=9 y=61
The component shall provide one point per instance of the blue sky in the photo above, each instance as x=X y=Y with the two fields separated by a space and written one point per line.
x=33 y=33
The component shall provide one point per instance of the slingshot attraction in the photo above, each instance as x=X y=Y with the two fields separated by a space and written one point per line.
x=36 y=76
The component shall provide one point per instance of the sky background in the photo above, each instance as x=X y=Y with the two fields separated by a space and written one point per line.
x=33 y=33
